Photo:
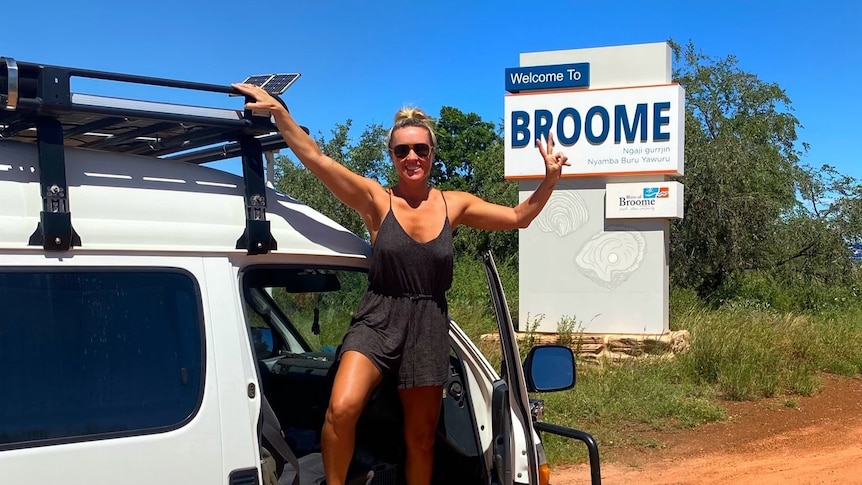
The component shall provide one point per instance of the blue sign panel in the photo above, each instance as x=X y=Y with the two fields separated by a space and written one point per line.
x=548 y=77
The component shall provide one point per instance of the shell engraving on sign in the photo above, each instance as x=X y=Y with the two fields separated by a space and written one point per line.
x=610 y=257
x=565 y=213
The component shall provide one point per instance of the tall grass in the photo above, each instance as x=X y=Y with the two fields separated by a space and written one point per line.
x=750 y=351
x=469 y=300
x=751 y=354
x=617 y=403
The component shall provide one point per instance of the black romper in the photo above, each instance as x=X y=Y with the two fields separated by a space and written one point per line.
x=402 y=322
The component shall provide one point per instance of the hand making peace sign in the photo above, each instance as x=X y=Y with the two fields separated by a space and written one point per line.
x=554 y=162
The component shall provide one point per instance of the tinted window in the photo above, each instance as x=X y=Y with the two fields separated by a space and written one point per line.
x=94 y=353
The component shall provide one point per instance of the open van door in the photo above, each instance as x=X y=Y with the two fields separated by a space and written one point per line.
x=512 y=377
x=545 y=364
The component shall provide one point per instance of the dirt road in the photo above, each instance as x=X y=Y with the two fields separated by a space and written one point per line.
x=806 y=440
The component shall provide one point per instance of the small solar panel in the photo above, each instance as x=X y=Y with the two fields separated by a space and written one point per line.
x=258 y=80
x=273 y=83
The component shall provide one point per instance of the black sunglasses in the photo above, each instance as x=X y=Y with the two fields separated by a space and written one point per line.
x=420 y=149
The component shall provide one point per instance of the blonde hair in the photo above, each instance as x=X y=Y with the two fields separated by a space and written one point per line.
x=412 y=116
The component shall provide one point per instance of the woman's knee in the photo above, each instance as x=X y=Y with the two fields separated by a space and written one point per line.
x=354 y=382
x=420 y=438
x=344 y=409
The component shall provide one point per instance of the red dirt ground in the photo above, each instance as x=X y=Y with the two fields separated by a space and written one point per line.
x=819 y=441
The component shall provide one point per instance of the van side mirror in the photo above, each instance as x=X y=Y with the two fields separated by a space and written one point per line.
x=549 y=368
x=264 y=345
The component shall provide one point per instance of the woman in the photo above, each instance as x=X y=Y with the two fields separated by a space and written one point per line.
x=401 y=325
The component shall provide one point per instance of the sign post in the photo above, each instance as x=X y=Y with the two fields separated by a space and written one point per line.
x=598 y=253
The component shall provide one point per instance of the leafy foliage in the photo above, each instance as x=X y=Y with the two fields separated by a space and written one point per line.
x=833 y=200
x=740 y=168
x=470 y=158
x=366 y=158
x=462 y=140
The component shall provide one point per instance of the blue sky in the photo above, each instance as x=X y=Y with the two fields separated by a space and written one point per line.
x=363 y=60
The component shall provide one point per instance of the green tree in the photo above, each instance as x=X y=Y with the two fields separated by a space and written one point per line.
x=470 y=158
x=462 y=139
x=367 y=157
x=833 y=198
x=493 y=187
x=741 y=169
x=827 y=220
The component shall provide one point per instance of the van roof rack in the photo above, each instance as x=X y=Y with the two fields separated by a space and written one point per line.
x=37 y=106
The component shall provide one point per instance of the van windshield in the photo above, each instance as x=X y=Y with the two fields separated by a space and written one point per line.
x=296 y=310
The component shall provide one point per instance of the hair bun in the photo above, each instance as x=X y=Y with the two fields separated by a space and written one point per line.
x=410 y=113
x=412 y=116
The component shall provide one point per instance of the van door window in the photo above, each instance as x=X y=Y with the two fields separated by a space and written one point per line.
x=90 y=354
x=297 y=310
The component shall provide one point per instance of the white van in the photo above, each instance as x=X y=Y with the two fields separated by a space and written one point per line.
x=151 y=308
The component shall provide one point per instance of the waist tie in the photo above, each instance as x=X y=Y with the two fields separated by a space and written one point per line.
x=412 y=296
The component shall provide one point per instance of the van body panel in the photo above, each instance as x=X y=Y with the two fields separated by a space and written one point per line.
x=234 y=364
x=137 y=458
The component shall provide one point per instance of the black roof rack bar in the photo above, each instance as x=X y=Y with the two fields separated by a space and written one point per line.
x=54 y=232
x=46 y=89
x=39 y=104
x=238 y=123
x=40 y=96
x=257 y=237
x=269 y=143
x=30 y=71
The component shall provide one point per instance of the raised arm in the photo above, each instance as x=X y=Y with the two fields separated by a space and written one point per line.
x=356 y=191
x=475 y=212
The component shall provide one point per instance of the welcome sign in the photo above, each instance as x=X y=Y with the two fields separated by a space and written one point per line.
x=548 y=77
x=603 y=132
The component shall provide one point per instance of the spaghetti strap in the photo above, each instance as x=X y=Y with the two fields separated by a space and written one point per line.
x=390 y=198
x=444 y=204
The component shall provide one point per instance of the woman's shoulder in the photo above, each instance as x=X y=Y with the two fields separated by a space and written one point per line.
x=458 y=196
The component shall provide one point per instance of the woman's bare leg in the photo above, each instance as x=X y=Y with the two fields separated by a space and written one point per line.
x=355 y=378
x=421 y=412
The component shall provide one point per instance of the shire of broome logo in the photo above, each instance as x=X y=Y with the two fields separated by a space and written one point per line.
x=656 y=192
x=656 y=200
